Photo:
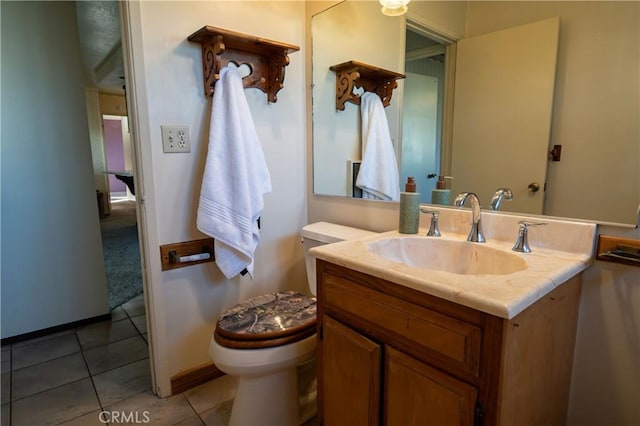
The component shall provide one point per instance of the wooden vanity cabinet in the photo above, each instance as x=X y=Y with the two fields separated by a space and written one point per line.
x=391 y=355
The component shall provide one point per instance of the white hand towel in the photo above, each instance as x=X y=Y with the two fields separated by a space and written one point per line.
x=235 y=178
x=378 y=176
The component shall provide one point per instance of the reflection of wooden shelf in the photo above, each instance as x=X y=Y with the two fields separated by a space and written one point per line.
x=352 y=74
x=267 y=59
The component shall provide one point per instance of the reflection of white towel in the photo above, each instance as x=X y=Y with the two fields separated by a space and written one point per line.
x=235 y=178
x=378 y=176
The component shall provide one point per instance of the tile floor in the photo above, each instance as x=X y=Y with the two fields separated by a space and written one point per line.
x=71 y=377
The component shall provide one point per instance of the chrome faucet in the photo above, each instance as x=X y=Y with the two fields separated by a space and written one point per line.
x=500 y=194
x=475 y=235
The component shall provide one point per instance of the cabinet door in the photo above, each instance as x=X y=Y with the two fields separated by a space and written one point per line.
x=418 y=394
x=351 y=366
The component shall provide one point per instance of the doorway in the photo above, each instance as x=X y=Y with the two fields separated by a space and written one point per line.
x=119 y=229
x=422 y=110
x=113 y=154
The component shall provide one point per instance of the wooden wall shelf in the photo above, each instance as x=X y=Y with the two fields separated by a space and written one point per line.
x=353 y=74
x=618 y=250
x=267 y=59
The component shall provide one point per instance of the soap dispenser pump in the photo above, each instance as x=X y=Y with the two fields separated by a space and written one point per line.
x=442 y=194
x=409 y=208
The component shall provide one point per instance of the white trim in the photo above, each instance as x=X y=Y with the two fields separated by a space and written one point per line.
x=137 y=101
x=425 y=52
x=430 y=29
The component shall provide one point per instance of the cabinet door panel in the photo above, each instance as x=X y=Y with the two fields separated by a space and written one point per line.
x=454 y=342
x=351 y=376
x=418 y=394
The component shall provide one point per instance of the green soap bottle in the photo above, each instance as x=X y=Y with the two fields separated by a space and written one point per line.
x=409 y=208
x=442 y=194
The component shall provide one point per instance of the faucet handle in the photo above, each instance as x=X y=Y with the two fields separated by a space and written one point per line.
x=433 y=227
x=526 y=223
x=522 y=243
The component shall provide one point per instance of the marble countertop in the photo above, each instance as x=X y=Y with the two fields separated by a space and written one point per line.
x=502 y=295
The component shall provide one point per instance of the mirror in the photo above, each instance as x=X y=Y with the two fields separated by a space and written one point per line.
x=595 y=109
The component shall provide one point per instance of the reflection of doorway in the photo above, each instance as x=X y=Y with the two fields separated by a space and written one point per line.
x=121 y=248
x=422 y=111
x=497 y=120
x=118 y=155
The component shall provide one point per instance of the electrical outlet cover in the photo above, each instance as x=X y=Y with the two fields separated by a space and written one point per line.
x=175 y=139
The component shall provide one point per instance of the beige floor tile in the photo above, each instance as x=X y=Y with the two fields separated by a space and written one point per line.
x=48 y=375
x=105 y=332
x=43 y=349
x=5 y=392
x=123 y=382
x=114 y=355
x=89 y=419
x=118 y=314
x=56 y=405
x=191 y=421
x=219 y=415
x=141 y=323
x=5 y=419
x=135 y=306
x=6 y=359
x=159 y=411
x=212 y=394
x=45 y=337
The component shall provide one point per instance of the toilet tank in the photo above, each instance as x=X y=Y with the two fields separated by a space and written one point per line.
x=320 y=233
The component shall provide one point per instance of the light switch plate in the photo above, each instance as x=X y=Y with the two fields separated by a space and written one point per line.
x=175 y=139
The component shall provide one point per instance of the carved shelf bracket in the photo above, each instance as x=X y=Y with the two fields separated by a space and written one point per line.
x=353 y=74
x=265 y=58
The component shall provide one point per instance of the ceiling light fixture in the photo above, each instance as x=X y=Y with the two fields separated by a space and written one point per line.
x=394 y=7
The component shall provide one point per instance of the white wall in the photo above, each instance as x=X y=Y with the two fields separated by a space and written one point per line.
x=53 y=272
x=185 y=303
x=96 y=137
x=605 y=388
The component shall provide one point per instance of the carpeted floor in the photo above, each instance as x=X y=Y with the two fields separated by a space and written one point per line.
x=121 y=253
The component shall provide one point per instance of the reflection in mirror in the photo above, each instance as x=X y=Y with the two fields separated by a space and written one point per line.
x=341 y=34
x=595 y=109
x=422 y=110
x=502 y=112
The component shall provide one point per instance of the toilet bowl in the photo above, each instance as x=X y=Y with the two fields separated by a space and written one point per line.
x=263 y=340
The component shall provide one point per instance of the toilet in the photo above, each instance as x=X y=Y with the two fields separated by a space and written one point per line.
x=263 y=340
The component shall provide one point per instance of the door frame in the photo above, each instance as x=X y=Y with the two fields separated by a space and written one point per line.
x=136 y=98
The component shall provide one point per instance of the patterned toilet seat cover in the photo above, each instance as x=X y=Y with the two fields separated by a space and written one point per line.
x=268 y=316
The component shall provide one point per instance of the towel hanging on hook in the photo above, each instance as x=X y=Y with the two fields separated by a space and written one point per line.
x=235 y=178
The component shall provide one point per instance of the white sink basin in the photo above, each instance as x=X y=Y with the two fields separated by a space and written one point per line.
x=488 y=277
x=456 y=257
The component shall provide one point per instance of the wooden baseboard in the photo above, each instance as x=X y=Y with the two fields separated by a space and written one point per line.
x=193 y=377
